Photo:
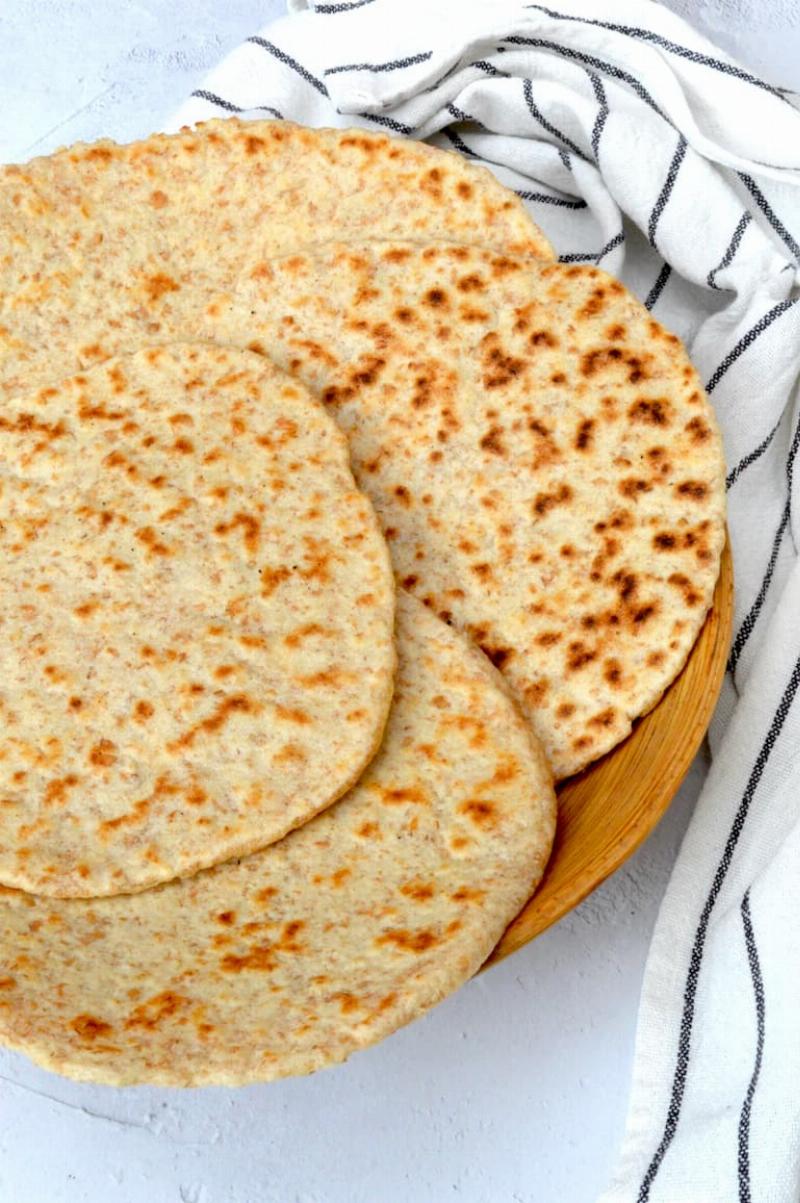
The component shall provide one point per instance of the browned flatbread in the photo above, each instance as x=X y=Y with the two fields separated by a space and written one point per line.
x=197 y=608
x=541 y=452
x=105 y=234
x=295 y=957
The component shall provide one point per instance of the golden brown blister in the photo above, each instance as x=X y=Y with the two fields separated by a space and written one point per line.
x=291 y=959
x=197 y=617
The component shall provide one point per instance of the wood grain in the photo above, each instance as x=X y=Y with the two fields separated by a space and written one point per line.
x=608 y=810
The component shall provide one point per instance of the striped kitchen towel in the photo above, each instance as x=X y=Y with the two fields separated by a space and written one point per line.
x=641 y=147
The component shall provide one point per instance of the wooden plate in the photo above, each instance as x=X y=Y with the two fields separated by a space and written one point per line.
x=606 y=812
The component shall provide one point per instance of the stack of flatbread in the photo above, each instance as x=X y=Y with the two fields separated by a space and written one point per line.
x=337 y=521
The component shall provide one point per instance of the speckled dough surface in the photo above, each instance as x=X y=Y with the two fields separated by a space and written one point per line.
x=294 y=957
x=197 y=619
x=541 y=452
x=103 y=234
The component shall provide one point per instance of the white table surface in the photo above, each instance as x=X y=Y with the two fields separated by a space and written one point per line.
x=514 y=1089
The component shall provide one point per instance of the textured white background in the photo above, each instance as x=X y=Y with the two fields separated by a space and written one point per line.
x=513 y=1091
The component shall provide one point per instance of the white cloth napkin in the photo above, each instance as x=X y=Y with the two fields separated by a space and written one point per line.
x=641 y=147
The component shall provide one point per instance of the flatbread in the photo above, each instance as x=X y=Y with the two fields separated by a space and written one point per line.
x=94 y=235
x=197 y=620
x=295 y=957
x=541 y=452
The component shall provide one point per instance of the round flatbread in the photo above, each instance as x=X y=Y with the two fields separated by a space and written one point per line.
x=541 y=452
x=323 y=943
x=197 y=620
x=100 y=237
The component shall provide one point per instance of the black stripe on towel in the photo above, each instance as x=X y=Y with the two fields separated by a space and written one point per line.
x=341 y=8
x=536 y=113
x=733 y=246
x=212 y=98
x=657 y=289
x=288 y=61
x=561 y=202
x=460 y=115
x=751 y=457
x=693 y=56
x=773 y=219
x=459 y=144
x=488 y=69
x=229 y=107
x=747 y=340
x=698 y=946
x=593 y=256
x=589 y=60
x=666 y=189
x=394 y=65
x=600 y=120
x=397 y=127
x=743 y=1160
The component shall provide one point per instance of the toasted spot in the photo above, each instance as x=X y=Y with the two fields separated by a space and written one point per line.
x=160 y=285
x=408 y=941
x=536 y=691
x=401 y=794
x=151 y=1014
x=543 y=338
x=292 y=714
x=492 y=441
x=55 y=792
x=436 y=298
x=238 y=703
x=632 y=486
x=481 y=812
x=499 y=656
x=271 y=578
x=691 y=595
x=604 y=719
x=595 y=304
x=103 y=754
x=85 y=609
x=500 y=368
x=579 y=655
x=89 y=1027
x=698 y=430
x=419 y=891
x=468 y=894
x=651 y=411
x=264 y=957
x=584 y=435
x=251 y=531
x=695 y=490
x=612 y=673
x=150 y=539
x=544 y=502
